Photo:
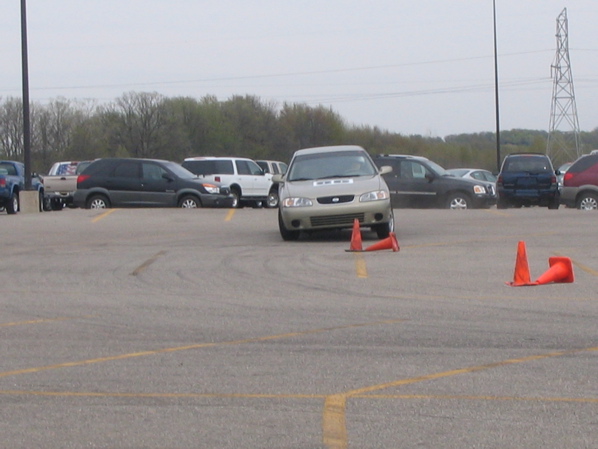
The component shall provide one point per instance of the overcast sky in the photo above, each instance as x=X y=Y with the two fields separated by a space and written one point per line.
x=412 y=67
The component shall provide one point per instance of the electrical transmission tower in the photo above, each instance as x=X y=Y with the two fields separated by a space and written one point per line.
x=563 y=135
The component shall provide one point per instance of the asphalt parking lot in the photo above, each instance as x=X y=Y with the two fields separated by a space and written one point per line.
x=173 y=328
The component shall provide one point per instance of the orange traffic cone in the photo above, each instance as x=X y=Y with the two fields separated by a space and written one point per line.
x=560 y=271
x=388 y=243
x=355 y=238
x=521 y=276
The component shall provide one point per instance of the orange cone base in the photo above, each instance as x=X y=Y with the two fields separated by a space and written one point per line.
x=388 y=243
x=521 y=277
x=355 y=238
x=560 y=272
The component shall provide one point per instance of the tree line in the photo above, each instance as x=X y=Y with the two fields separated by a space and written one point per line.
x=148 y=124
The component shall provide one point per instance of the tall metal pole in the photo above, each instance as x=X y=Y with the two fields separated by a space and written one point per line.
x=496 y=91
x=26 y=121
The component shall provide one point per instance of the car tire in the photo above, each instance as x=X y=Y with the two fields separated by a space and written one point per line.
x=273 y=199
x=236 y=196
x=554 y=204
x=502 y=204
x=383 y=230
x=458 y=201
x=56 y=204
x=12 y=207
x=285 y=233
x=97 y=202
x=189 y=202
x=587 y=201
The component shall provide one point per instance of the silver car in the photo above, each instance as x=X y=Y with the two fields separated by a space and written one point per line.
x=330 y=187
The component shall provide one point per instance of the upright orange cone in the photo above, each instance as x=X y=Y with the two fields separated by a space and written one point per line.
x=388 y=243
x=355 y=237
x=560 y=271
x=521 y=276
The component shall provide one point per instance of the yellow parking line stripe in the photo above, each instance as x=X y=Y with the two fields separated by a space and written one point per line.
x=360 y=266
x=476 y=398
x=105 y=214
x=99 y=394
x=189 y=347
x=41 y=320
x=229 y=215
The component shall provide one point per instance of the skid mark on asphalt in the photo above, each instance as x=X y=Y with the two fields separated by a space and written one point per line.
x=190 y=347
x=147 y=263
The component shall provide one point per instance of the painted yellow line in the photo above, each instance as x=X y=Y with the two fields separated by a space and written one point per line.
x=477 y=398
x=42 y=320
x=334 y=428
x=105 y=214
x=190 y=347
x=98 y=394
x=147 y=263
x=230 y=214
x=360 y=266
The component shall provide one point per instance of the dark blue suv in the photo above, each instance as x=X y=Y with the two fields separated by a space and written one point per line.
x=527 y=179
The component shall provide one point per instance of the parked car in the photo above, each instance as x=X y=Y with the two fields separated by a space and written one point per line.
x=562 y=170
x=330 y=187
x=249 y=184
x=527 y=179
x=274 y=167
x=12 y=183
x=418 y=182
x=130 y=182
x=61 y=182
x=580 y=183
x=477 y=174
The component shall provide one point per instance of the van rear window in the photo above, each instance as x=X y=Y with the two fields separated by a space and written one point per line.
x=210 y=167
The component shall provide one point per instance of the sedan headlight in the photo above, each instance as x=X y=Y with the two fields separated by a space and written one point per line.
x=479 y=190
x=297 y=202
x=211 y=188
x=374 y=196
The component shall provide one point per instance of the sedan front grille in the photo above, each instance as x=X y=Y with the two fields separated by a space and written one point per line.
x=337 y=199
x=336 y=220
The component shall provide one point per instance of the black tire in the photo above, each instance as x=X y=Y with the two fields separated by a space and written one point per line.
x=458 y=201
x=286 y=234
x=502 y=204
x=56 y=204
x=97 y=202
x=189 y=202
x=273 y=199
x=236 y=196
x=587 y=201
x=554 y=204
x=12 y=207
x=383 y=230
x=47 y=204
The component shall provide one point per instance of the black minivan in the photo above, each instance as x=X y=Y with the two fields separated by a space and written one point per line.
x=132 y=182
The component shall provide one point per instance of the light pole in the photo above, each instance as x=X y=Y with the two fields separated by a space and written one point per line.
x=26 y=121
x=496 y=92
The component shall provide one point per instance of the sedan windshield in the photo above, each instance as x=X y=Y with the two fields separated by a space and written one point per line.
x=338 y=164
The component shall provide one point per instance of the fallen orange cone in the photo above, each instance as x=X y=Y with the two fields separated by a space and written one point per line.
x=356 y=237
x=388 y=243
x=560 y=271
x=521 y=276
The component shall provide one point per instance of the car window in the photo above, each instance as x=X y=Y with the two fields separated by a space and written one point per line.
x=413 y=170
x=527 y=164
x=583 y=163
x=248 y=168
x=10 y=169
x=210 y=167
x=331 y=165
x=152 y=172
x=126 y=169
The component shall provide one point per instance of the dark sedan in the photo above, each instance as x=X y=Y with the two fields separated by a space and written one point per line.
x=130 y=182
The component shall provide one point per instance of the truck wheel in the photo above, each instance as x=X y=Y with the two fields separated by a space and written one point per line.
x=56 y=204
x=189 y=202
x=236 y=196
x=97 y=202
x=13 y=204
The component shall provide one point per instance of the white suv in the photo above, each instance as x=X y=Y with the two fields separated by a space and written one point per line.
x=247 y=181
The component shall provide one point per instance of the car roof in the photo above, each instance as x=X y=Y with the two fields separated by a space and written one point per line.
x=330 y=149
x=212 y=158
x=404 y=156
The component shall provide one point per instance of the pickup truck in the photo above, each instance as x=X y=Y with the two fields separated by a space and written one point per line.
x=12 y=182
x=61 y=182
